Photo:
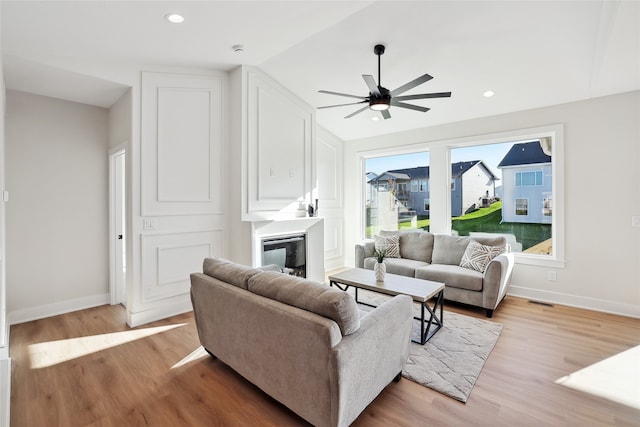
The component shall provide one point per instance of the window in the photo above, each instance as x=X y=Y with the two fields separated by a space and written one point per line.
x=532 y=174
x=389 y=205
x=522 y=207
x=530 y=178
x=504 y=188
x=547 y=206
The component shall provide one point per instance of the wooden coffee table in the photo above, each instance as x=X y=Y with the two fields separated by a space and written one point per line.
x=421 y=291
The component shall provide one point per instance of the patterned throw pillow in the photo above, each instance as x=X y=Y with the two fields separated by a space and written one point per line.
x=477 y=256
x=389 y=244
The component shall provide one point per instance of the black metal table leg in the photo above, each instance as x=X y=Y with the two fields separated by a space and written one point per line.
x=425 y=335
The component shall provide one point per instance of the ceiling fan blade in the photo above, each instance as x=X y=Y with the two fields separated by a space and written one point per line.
x=341 y=105
x=342 y=94
x=413 y=83
x=356 y=112
x=371 y=84
x=423 y=96
x=386 y=114
x=409 y=106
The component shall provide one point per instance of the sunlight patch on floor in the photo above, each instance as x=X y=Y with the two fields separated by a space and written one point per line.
x=45 y=354
x=616 y=378
x=195 y=355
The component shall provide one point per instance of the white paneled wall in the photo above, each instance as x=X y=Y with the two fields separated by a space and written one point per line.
x=181 y=190
x=329 y=167
x=278 y=158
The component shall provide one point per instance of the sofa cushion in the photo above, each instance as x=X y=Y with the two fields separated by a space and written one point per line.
x=228 y=271
x=453 y=276
x=308 y=295
x=414 y=244
x=448 y=249
x=477 y=255
x=390 y=245
x=495 y=240
x=404 y=267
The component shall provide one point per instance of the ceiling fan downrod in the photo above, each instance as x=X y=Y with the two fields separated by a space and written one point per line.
x=379 y=50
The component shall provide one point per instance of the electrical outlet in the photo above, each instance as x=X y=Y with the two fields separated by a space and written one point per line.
x=552 y=276
x=149 y=224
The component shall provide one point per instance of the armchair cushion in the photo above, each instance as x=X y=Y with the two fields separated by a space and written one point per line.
x=227 y=271
x=311 y=296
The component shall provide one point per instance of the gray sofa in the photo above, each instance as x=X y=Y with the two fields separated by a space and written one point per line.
x=438 y=257
x=301 y=342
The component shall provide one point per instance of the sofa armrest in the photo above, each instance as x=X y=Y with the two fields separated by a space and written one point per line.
x=497 y=277
x=363 y=250
x=365 y=362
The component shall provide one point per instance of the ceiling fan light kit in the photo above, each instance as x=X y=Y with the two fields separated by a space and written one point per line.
x=381 y=99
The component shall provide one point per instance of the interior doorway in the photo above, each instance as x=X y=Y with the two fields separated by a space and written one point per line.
x=117 y=225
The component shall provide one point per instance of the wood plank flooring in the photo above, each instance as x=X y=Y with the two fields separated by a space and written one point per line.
x=150 y=381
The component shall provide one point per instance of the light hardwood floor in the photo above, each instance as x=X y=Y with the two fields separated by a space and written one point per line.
x=149 y=381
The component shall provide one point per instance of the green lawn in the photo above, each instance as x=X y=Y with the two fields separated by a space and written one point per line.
x=488 y=220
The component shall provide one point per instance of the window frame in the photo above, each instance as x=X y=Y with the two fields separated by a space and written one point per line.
x=526 y=208
x=440 y=179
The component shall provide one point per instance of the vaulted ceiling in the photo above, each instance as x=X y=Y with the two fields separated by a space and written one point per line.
x=530 y=53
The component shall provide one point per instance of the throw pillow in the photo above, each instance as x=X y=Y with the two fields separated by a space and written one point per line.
x=477 y=256
x=389 y=244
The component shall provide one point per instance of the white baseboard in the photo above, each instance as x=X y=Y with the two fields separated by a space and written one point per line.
x=5 y=391
x=62 y=307
x=602 y=305
x=333 y=263
x=158 y=313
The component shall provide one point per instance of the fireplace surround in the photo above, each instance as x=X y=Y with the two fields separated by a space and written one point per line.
x=288 y=251
x=313 y=230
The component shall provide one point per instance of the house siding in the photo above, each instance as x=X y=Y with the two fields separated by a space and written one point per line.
x=534 y=194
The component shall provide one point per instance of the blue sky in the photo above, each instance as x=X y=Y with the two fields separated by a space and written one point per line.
x=490 y=154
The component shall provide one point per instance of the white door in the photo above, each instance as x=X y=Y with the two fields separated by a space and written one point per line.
x=118 y=236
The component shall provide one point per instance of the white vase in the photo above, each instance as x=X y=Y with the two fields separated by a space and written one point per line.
x=379 y=269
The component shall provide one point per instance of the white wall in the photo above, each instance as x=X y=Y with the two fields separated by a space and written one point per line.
x=330 y=183
x=120 y=120
x=602 y=163
x=57 y=220
x=5 y=361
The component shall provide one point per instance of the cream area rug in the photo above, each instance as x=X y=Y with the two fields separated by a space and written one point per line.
x=451 y=361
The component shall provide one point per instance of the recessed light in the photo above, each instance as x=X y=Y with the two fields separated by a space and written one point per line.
x=489 y=94
x=375 y=118
x=174 y=18
x=239 y=48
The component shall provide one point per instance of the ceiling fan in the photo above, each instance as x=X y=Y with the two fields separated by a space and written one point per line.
x=381 y=99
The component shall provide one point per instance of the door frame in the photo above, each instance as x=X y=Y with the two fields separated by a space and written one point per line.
x=117 y=295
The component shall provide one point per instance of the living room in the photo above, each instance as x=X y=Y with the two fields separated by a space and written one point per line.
x=593 y=111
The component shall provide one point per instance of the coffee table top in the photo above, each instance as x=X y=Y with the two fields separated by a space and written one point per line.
x=418 y=289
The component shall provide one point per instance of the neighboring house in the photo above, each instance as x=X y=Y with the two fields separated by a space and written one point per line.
x=370 y=193
x=470 y=183
x=526 y=193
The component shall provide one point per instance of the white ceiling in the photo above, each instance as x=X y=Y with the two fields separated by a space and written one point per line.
x=531 y=53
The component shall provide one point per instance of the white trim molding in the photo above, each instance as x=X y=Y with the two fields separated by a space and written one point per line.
x=595 y=304
x=62 y=307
